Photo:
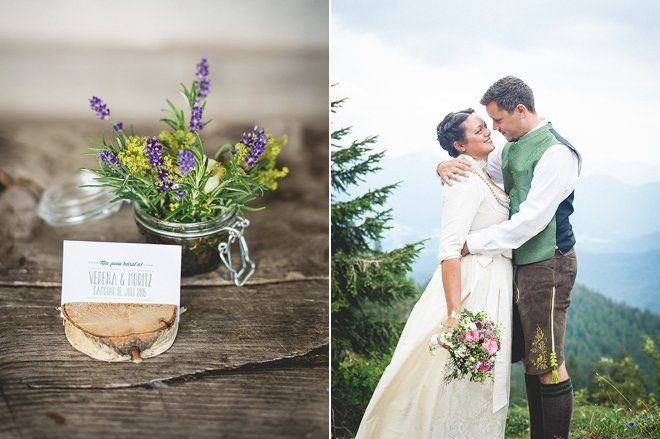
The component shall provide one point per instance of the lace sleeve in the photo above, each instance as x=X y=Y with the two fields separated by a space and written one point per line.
x=460 y=203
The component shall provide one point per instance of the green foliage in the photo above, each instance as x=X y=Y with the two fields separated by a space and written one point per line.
x=593 y=422
x=651 y=350
x=367 y=283
x=355 y=380
x=517 y=422
x=618 y=382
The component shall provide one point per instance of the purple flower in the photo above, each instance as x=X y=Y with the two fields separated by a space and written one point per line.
x=153 y=151
x=118 y=127
x=203 y=81
x=202 y=68
x=256 y=141
x=204 y=87
x=186 y=161
x=479 y=324
x=180 y=194
x=110 y=160
x=196 y=124
x=102 y=110
x=164 y=183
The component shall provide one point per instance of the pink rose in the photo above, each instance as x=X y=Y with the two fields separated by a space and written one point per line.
x=490 y=346
x=471 y=336
x=484 y=367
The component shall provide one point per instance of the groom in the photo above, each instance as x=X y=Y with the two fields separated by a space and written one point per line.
x=539 y=171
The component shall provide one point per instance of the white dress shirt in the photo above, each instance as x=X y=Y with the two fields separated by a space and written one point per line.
x=555 y=177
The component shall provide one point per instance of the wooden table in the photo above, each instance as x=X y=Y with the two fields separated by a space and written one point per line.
x=247 y=362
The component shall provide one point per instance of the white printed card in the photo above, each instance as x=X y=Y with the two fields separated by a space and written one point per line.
x=114 y=272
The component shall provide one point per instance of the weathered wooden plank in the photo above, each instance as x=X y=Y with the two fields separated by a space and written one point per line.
x=222 y=329
x=288 y=240
x=288 y=399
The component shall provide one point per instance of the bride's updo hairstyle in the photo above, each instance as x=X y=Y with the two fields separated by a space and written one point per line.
x=451 y=130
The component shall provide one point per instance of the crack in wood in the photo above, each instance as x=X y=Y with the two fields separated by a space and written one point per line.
x=314 y=357
x=21 y=284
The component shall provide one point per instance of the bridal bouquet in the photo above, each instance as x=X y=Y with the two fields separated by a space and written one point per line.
x=169 y=174
x=472 y=347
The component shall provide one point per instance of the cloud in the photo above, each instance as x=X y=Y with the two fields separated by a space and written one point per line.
x=601 y=97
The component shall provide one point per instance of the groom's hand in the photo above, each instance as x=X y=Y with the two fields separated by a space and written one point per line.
x=453 y=170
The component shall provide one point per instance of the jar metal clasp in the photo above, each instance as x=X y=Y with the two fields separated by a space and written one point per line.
x=224 y=248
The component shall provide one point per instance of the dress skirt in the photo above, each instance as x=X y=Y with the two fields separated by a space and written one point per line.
x=411 y=399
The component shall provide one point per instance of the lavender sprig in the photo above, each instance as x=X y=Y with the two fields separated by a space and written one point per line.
x=154 y=151
x=180 y=194
x=186 y=161
x=110 y=160
x=118 y=127
x=196 y=124
x=203 y=81
x=256 y=141
x=164 y=183
x=101 y=109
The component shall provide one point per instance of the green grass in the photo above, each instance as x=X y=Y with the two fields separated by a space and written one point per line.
x=593 y=422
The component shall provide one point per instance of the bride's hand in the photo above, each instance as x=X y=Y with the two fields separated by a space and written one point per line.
x=453 y=170
x=451 y=323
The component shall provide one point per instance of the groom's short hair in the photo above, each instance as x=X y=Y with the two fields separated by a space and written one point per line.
x=508 y=92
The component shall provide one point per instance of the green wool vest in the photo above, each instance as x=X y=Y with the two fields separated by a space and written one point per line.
x=518 y=162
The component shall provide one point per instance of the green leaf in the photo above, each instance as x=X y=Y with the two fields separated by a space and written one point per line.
x=170 y=123
x=253 y=209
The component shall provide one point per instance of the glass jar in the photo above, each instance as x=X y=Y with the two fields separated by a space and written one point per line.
x=204 y=244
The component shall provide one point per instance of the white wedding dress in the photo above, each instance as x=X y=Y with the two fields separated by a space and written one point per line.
x=411 y=399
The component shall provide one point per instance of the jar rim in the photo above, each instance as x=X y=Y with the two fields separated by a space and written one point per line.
x=182 y=230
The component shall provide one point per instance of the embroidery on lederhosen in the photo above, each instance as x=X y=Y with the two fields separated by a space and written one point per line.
x=539 y=349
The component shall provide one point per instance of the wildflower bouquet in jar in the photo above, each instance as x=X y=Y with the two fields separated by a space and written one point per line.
x=472 y=346
x=169 y=175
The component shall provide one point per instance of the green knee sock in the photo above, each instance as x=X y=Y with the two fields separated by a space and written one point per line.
x=557 y=401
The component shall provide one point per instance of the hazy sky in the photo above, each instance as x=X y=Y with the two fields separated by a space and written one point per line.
x=594 y=67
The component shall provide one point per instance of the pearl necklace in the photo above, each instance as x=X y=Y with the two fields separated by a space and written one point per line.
x=492 y=191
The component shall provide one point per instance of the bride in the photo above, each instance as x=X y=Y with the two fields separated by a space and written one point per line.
x=411 y=399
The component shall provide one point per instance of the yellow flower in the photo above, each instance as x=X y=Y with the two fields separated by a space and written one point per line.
x=178 y=140
x=133 y=158
x=172 y=169
x=241 y=153
x=269 y=177
x=269 y=174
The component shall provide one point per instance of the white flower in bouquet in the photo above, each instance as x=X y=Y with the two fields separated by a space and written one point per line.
x=472 y=346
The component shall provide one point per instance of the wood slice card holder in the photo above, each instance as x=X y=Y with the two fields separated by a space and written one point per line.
x=111 y=299
x=120 y=331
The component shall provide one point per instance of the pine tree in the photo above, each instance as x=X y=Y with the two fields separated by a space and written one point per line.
x=366 y=281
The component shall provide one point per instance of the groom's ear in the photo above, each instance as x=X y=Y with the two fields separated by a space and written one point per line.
x=520 y=111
